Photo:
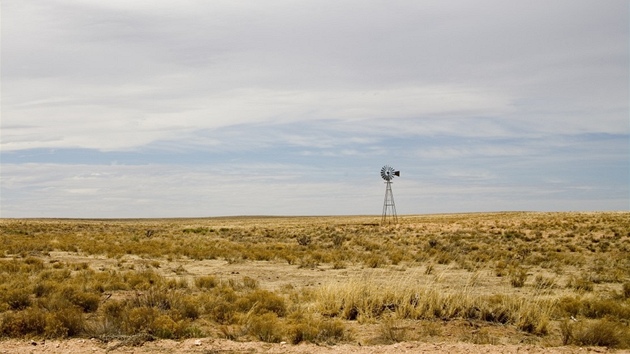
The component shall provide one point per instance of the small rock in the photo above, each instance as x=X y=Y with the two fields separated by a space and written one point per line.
x=198 y=342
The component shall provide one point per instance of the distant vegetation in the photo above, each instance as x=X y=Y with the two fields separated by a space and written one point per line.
x=546 y=278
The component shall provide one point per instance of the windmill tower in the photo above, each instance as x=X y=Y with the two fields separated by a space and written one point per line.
x=389 y=206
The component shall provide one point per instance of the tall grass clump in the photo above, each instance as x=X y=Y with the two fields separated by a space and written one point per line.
x=365 y=300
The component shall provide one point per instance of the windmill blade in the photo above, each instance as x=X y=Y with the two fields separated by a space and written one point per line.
x=388 y=173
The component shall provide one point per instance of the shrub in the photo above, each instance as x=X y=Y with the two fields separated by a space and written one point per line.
x=31 y=321
x=88 y=302
x=304 y=240
x=223 y=313
x=532 y=319
x=266 y=327
x=302 y=332
x=374 y=261
x=113 y=316
x=44 y=288
x=604 y=333
x=330 y=331
x=164 y=327
x=518 y=276
x=262 y=301
x=18 y=299
x=206 y=282
x=338 y=240
x=581 y=284
x=250 y=283
x=188 y=308
x=67 y=322
x=139 y=319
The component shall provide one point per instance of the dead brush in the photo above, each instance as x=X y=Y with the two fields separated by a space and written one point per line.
x=518 y=276
x=265 y=327
x=602 y=333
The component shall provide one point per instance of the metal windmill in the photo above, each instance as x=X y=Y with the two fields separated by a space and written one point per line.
x=388 y=174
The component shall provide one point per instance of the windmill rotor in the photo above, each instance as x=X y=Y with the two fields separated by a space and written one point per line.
x=388 y=173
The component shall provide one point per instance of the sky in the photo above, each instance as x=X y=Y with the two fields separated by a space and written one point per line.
x=133 y=109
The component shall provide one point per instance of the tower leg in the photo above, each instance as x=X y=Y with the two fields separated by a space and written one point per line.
x=389 y=205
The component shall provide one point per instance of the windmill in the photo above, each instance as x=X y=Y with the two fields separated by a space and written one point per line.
x=388 y=173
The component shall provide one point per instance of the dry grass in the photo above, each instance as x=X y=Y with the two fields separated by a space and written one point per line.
x=550 y=278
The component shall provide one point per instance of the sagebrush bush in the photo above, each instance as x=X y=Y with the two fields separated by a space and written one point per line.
x=262 y=301
x=206 y=282
x=66 y=322
x=604 y=333
x=17 y=298
x=31 y=321
x=518 y=276
x=265 y=327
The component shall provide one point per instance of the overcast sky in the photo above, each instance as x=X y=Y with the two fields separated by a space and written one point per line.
x=139 y=108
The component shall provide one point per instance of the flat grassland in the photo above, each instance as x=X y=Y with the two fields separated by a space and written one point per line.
x=540 y=281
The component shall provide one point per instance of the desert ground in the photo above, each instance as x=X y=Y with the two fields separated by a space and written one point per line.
x=483 y=282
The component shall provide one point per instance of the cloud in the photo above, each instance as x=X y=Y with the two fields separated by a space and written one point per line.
x=162 y=191
x=299 y=102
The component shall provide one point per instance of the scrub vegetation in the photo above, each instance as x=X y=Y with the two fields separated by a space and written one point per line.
x=489 y=278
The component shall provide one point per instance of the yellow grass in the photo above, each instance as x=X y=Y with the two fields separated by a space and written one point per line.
x=545 y=278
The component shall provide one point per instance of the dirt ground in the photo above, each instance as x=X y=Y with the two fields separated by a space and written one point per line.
x=221 y=346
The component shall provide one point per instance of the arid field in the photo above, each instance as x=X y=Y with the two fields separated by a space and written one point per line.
x=483 y=282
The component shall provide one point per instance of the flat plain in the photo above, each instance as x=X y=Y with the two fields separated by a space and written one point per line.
x=480 y=282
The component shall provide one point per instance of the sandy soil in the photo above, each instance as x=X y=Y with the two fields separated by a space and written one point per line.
x=218 y=346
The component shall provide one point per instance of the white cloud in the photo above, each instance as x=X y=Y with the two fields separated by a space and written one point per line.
x=304 y=87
